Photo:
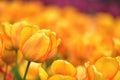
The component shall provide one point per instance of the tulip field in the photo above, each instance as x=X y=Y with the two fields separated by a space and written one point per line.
x=39 y=42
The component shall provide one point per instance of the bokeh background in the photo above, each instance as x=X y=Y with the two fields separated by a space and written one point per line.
x=88 y=29
x=89 y=6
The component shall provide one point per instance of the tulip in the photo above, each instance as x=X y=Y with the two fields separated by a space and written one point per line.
x=14 y=36
x=63 y=67
x=40 y=46
x=18 y=29
x=62 y=70
x=9 y=56
x=12 y=33
x=110 y=71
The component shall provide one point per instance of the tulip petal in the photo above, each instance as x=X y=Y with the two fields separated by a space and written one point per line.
x=93 y=74
x=53 y=40
x=15 y=32
x=61 y=77
x=43 y=74
x=36 y=46
x=26 y=33
x=7 y=29
x=108 y=66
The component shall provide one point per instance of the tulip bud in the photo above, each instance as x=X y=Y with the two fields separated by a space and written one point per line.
x=40 y=46
x=18 y=30
x=13 y=33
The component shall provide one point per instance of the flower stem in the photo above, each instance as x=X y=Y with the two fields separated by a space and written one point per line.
x=5 y=74
x=28 y=64
x=16 y=57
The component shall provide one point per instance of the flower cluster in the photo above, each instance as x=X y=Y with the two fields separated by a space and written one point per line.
x=35 y=45
x=89 y=50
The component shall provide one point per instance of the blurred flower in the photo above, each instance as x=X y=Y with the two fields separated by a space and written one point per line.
x=81 y=73
x=1 y=63
x=9 y=56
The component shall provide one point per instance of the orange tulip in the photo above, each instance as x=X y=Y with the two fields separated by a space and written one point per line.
x=40 y=46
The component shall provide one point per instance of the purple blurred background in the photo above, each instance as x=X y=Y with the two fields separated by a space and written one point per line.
x=87 y=6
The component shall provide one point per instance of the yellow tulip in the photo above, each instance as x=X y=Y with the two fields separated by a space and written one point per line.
x=63 y=67
x=12 y=37
x=40 y=46
x=13 y=33
x=19 y=29
x=109 y=72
